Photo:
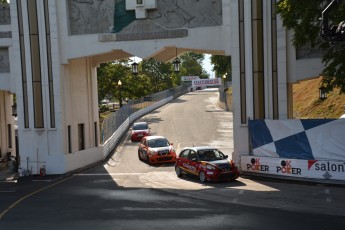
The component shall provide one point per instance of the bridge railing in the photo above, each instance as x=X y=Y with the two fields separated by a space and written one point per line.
x=115 y=125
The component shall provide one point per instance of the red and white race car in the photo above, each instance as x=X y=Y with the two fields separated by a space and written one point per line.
x=156 y=149
x=208 y=163
x=139 y=130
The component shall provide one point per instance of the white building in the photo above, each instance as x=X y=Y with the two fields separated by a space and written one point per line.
x=51 y=49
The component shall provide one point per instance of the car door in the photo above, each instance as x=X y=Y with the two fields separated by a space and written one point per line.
x=182 y=160
x=193 y=162
x=143 y=148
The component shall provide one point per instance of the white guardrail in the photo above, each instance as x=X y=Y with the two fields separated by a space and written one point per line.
x=114 y=139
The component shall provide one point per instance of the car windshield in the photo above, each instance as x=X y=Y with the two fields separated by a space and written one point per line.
x=140 y=127
x=156 y=143
x=210 y=155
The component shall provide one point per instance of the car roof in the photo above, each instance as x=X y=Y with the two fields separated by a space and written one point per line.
x=154 y=137
x=197 y=148
x=140 y=123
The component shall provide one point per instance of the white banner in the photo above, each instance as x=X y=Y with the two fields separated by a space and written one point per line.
x=314 y=169
x=189 y=78
x=207 y=82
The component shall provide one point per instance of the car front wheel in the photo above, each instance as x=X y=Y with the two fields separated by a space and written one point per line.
x=178 y=171
x=202 y=177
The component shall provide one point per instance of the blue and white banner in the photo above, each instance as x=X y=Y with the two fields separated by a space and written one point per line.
x=309 y=139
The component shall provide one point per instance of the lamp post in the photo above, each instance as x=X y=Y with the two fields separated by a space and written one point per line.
x=119 y=83
x=176 y=63
x=14 y=110
x=322 y=93
x=224 y=79
x=135 y=68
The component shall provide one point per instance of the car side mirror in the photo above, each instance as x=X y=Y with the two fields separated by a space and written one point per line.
x=171 y=144
x=226 y=156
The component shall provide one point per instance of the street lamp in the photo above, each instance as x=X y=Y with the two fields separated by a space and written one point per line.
x=14 y=110
x=119 y=83
x=176 y=63
x=322 y=93
x=224 y=79
x=135 y=68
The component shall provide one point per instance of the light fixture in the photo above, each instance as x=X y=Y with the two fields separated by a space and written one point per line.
x=140 y=2
x=14 y=110
x=322 y=93
x=119 y=83
x=224 y=78
x=135 y=68
x=176 y=63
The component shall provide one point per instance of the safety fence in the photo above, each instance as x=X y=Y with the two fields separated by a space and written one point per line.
x=115 y=125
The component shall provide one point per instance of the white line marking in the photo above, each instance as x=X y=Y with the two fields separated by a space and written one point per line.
x=109 y=174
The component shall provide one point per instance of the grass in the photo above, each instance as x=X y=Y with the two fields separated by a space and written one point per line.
x=307 y=105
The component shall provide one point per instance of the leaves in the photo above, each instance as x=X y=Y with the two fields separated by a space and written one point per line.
x=154 y=76
x=303 y=18
x=222 y=65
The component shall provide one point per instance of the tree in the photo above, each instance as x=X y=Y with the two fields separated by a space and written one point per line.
x=158 y=73
x=222 y=65
x=108 y=75
x=303 y=18
x=155 y=76
x=191 y=65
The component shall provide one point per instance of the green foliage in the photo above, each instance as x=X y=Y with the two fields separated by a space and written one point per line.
x=158 y=75
x=222 y=65
x=191 y=65
x=303 y=18
x=154 y=76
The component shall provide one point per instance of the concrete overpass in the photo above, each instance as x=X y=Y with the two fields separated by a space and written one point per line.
x=53 y=48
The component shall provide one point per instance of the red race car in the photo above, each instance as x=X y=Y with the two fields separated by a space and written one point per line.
x=139 y=130
x=156 y=149
x=208 y=163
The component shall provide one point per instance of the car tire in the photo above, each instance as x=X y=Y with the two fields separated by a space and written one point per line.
x=139 y=156
x=178 y=171
x=202 y=177
x=147 y=159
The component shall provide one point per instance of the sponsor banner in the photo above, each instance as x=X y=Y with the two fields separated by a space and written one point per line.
x=207 y=82
x=314 y=169
x=189 y=78
x=320 y=139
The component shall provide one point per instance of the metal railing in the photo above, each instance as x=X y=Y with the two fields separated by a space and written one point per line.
x=113 y=122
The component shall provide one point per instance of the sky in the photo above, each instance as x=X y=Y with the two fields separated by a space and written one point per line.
x=207 y=65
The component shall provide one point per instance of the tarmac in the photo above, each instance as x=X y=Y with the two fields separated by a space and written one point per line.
x=6 y=174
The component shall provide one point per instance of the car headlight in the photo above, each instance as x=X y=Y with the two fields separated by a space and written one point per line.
x=152 y=152
x=210 y=167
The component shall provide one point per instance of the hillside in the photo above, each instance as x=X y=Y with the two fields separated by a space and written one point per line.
x=306 y=103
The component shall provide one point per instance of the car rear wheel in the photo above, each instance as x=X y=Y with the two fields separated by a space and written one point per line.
x=202 y=177
x=139 y=156
x=178 y=171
